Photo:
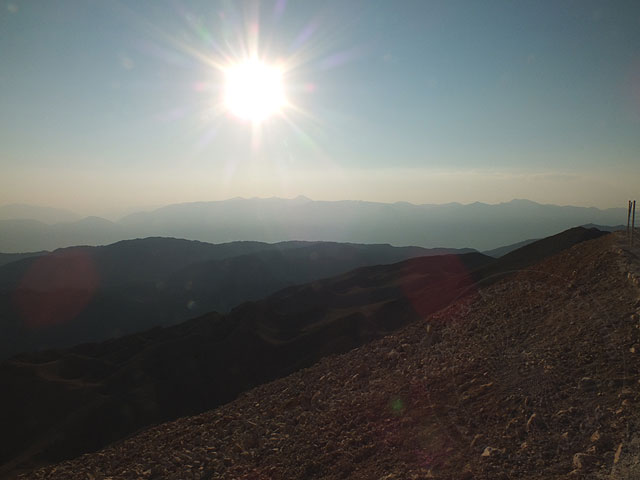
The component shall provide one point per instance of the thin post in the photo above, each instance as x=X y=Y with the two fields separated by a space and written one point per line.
x=629 y=222
x=633 y=221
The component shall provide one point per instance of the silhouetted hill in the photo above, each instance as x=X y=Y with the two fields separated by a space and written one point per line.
x=93 y=394
x=606 y=228
x=477 y=225
x=531 y=253
x=14 y=257
x=132 y=261
x=532 y=377
x=84 y=294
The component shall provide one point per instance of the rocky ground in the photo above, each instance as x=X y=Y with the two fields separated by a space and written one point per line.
x=535 y=376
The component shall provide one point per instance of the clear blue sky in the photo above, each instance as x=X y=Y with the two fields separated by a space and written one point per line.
x=108 y=106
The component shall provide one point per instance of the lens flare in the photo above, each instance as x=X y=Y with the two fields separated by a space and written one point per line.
x=56 y=288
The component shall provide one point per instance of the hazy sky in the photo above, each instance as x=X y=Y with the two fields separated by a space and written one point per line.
x=108 y=106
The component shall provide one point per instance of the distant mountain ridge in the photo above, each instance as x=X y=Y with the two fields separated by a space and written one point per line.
x=48 y=215
x=478 y=225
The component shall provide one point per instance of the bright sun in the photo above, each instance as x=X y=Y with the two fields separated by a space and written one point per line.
x=253 y=90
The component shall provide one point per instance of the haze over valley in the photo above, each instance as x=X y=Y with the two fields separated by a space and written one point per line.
x=477 y=225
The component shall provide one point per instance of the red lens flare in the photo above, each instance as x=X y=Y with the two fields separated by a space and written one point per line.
x=431 y=283
x=56 y=288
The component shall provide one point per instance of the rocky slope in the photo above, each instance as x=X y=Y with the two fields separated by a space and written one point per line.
x=59 y=404
x=534 y=376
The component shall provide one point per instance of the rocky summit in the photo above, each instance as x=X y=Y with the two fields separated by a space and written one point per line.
x=533 y=376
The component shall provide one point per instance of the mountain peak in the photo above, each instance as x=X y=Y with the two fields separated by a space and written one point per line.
x=521 y=202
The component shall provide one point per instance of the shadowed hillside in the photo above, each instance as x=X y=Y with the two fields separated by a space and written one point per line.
x=93 y=394
x=14 y=257
x=532 y=377
x=85 y=294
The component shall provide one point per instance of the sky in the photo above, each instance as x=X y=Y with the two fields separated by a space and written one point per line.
x=107 y=107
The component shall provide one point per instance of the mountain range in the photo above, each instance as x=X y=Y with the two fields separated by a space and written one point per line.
x=61 y=403
x=478 y=225
x=81 y=294
x=532 y=376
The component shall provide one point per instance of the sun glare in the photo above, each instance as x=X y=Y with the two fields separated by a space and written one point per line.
x=254 y=90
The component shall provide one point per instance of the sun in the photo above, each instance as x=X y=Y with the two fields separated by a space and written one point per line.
x=253 y=90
